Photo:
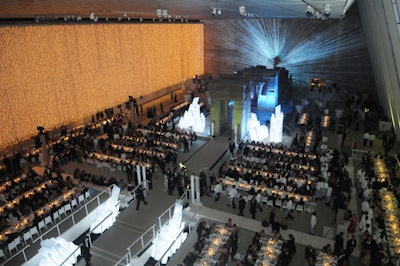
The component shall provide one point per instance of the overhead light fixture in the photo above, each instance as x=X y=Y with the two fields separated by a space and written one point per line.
x=124 y=14
x=214 y=11
x=219 y=11
x=92 y=17
x=165 y=13
x=242 y=10
x=159 y=13
x=309 y=11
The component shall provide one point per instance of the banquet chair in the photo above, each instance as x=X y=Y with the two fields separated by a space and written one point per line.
x=2 y=254
x=278 y=203
x=41 y=225
x=270 y=203
x=106 y=165
x=99 y=165
x=34 y=231
x=56 y=216
x=67 y=208
x=87 y=195
x=61 y=211
x=17 y=242
x=74 y=203
x=27 y=236
x=48 y=220
x=300 y=208
x=11 y=247
x=81 y=199
x=238 y=257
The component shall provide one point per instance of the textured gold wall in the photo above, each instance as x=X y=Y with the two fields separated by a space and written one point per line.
x=53 y=75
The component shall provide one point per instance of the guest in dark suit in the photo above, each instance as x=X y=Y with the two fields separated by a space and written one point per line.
x=350 y=245
x=140 y=197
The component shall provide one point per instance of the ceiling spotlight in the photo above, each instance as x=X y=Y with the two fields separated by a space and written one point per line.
x=309 y=11
x=214 y=11
x=92 y=17
x=219 y=11
x=242 y=10
x=327 y=10
x=159 y=13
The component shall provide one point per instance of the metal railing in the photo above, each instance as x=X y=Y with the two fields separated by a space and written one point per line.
x=143 y=244
x=70 y=255
x=178 y=237
x=75 y=212
x=183 y=198
x=71 y=217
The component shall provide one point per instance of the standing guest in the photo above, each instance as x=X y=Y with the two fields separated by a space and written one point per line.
x=217 y=191
x=371 y=139
x=259 y=199
x=352 y=227
x=200 y=228
x=212 y=180
x=232 y=195
x=339 y=244
x=289 y=209
x=351 y=245
x=242 y=205
x=232 y=147
x=366 y=136
x=272 y=215
x=253 y=208
x=313 y=223
x=140 y=196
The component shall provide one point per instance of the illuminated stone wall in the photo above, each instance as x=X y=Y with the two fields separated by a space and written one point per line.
x=54 y=75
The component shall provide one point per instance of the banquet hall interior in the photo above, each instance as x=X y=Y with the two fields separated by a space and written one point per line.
x=199 y=132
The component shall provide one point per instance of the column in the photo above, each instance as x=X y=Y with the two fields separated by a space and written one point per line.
x=197 y=185
x=192 y=189
x=138 y=174
x=145 y=185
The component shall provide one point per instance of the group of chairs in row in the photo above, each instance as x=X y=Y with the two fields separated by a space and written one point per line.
x=35 y=231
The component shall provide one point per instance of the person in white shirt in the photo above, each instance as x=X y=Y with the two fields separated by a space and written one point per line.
x=232 y=196
x=371 y=139
x=366 y=138
x=259 y=199
x=217 y=191
x=328 y=196
x=289 y=209
x=313 y=223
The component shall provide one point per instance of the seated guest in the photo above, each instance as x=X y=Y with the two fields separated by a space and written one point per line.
x=265 y=222
x=224 y=255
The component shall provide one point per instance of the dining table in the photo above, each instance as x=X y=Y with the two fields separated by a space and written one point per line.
x=210 y=253
x=269 y=252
